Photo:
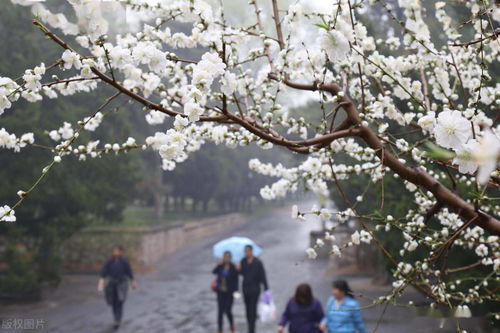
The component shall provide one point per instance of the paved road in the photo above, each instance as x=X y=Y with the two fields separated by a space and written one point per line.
x=176 y=297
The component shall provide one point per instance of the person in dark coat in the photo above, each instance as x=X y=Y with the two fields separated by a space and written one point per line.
x=303 y=312
x=226 y=285
x=254 y=275
x=118 y=272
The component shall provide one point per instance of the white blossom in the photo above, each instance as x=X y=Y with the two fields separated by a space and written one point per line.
x=482 y=250
x=452 y=129
x=336 y=251
x=7 y=214
x=155 y=117
x=334 y=43
x=180 y=122
x=463 y=311
x=11 y=141
x=71 y=59
x=464 y=158
x=7 y=140
x=365 y=237
x=229 y=84
x=356 y=237
x=91 y=123
x=4 y=104
x=65 y=132
x=311 y=253
x=193 y=111
x=325 y=214
x=207 y=69
x=486 y=155
x=428 y=122
x=32 y=80
x=412 y=246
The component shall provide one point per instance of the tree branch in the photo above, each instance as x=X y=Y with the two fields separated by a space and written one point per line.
x=277 y=23
x=417 y=176
x=351 y=126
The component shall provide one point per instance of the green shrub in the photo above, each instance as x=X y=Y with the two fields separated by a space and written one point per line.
x=21 y=276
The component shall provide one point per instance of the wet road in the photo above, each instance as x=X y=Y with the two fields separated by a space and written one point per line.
x=177 y=296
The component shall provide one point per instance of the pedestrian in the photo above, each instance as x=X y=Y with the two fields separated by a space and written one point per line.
x=254 y=275
x=118 y=272
x=225 y=285
x=303 y=312
x=342 y=311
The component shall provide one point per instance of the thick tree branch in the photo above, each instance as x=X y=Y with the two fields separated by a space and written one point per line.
x=417 y=176
x=420 y=177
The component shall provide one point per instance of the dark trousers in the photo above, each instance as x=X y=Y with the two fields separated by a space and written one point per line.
x=224 y=307
x=251 y=300
x=117 y=306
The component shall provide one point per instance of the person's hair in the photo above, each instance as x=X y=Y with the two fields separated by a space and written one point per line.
x=118 y=247
x=303 y=294
x=228 y=252
x=343 y=286
x=250 y=247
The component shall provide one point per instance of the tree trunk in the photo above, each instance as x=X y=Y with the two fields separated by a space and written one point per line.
x=158 y=191
x=159 y=206
x=183 y=204
x=177 y=203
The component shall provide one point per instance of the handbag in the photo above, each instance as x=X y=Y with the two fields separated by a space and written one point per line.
x=214 y=285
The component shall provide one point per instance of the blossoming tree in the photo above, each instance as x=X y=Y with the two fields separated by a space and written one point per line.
x=404 y=106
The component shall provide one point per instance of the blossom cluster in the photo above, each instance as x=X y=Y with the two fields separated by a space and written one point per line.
x=10 y=141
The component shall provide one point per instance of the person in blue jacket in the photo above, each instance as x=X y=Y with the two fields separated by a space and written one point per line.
x=342 y=313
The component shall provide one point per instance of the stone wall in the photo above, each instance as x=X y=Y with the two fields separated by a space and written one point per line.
x=144 y=246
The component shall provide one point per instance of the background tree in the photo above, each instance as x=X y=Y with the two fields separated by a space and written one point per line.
x=77 y=195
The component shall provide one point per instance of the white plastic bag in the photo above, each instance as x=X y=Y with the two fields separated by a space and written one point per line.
x=267 y=309
x=267 y=312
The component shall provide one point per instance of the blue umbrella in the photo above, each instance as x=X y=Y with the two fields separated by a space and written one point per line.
x=235 y=245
